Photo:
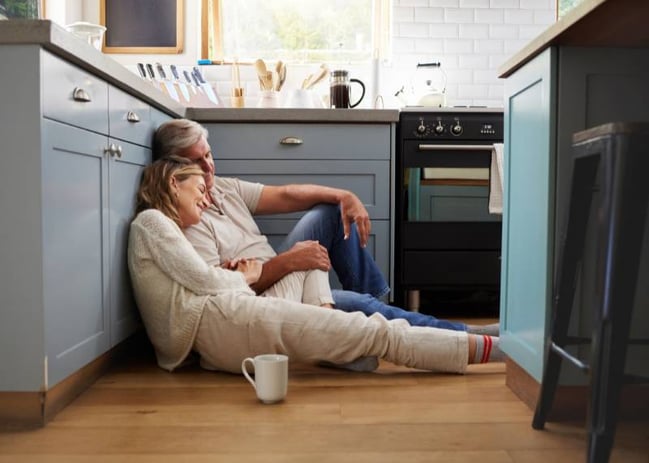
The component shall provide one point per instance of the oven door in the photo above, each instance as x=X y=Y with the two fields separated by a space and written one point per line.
x=448 y=238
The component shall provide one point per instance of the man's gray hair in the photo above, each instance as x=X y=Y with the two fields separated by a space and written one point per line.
x=176 y=135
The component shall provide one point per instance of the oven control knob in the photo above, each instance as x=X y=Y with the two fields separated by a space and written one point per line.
x=457 y=129
x=439 y=128
x=421 y=128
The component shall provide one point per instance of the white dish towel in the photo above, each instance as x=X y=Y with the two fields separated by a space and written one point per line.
x=496 y=180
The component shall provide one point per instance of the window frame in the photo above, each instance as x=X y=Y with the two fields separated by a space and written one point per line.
x=381 y=27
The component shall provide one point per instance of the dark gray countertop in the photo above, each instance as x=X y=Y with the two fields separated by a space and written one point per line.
x=358 y=116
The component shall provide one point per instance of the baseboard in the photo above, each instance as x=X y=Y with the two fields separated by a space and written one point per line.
x=571 y=402
x=33 y=409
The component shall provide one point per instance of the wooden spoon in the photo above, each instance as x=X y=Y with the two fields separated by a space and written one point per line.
x=260 y=67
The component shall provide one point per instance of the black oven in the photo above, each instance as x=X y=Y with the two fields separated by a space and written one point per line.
x=447 y=242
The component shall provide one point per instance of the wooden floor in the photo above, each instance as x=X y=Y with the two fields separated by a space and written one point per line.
x=140 y=413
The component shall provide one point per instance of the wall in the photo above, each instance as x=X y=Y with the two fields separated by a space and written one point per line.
x=470 y=38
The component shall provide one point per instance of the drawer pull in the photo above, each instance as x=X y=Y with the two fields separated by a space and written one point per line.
x=132 y=117
x=114 y=150
x=81 y=95
x=291 y=141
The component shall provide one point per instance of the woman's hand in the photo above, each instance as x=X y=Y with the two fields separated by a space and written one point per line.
x=251 y=268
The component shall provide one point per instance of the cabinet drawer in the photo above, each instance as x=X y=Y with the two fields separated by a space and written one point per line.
x=73 y=96
x=129 y=118
x=369 y=180
x=311 y=141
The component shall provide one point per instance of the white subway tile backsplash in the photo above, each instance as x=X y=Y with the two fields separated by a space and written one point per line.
x=544 y=17
x=474 y=31
x=485 y=76
x=501 y=31
x=401 y=15
x=471 y=38
x=429 y=15
x=445 y=3
x=444 y=30
x=519 y=16
x=489 y=46
x=489 y=16
x=458 y=16
x=429 y=46
x=474 y=61
x=474 y=3
x=458 y=46
x=504 y=4
x=413 y=30
x=529 y=32
x=412 y=2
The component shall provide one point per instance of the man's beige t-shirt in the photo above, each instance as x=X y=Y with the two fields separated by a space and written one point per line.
x=227 y=229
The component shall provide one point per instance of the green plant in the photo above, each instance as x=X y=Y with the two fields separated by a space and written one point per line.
x=20 y=8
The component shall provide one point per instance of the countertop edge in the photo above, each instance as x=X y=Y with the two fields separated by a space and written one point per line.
x=292 y=115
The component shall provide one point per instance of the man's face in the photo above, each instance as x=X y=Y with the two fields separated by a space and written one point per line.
x=201 y=154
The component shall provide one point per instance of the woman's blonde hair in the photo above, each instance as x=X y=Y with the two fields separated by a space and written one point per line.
x=155 y=186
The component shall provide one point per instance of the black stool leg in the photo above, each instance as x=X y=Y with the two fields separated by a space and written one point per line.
x=581 y=194
x=621 y=230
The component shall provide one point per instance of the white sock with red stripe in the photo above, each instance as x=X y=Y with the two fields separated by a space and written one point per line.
x=487 y=350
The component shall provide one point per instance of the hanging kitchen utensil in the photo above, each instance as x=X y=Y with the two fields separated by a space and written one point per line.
x=209 y=91
x=168 y=85
x=179 y=84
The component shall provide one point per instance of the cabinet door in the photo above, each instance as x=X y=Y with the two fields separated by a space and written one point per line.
x=124 y=173
x=74 y=250
x=528 y=220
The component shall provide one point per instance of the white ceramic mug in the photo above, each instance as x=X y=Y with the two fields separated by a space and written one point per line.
x=271 y=376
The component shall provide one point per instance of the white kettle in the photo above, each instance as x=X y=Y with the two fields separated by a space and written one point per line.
x=426 y=89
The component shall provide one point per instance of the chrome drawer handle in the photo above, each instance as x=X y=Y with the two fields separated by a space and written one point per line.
x=132 y=117
x=79 y=94
x=114 y=150
x=291 y=141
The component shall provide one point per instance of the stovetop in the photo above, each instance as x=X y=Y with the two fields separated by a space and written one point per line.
x=459 y=124
x=451 y=109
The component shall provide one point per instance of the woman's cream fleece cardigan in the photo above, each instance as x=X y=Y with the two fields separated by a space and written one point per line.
x=171 y=283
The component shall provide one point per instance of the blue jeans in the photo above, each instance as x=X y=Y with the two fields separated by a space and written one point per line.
x=350 y=301
x=361 y=279
x=353 y=264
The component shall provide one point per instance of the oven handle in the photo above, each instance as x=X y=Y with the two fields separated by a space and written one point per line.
x=455 y=147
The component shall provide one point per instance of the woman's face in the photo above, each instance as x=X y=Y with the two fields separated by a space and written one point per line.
x=190 y=194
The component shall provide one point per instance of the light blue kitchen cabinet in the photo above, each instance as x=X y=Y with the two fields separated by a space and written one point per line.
x=356 y=157
x=527 y=224
x=561 y=91
x=71 y=162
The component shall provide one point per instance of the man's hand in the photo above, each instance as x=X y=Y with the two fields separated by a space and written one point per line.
x=353 y=211
x=308 y=255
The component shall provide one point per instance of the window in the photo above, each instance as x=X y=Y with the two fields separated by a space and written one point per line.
x=303 y=31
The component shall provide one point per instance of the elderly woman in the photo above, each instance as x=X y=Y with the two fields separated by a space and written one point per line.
x=188 y=305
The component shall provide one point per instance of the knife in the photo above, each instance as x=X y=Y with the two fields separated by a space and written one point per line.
x=140 y=68
x=189 y=81
x=180 y=85
x=169 y=86
x=152 y=78
x=209 y=91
